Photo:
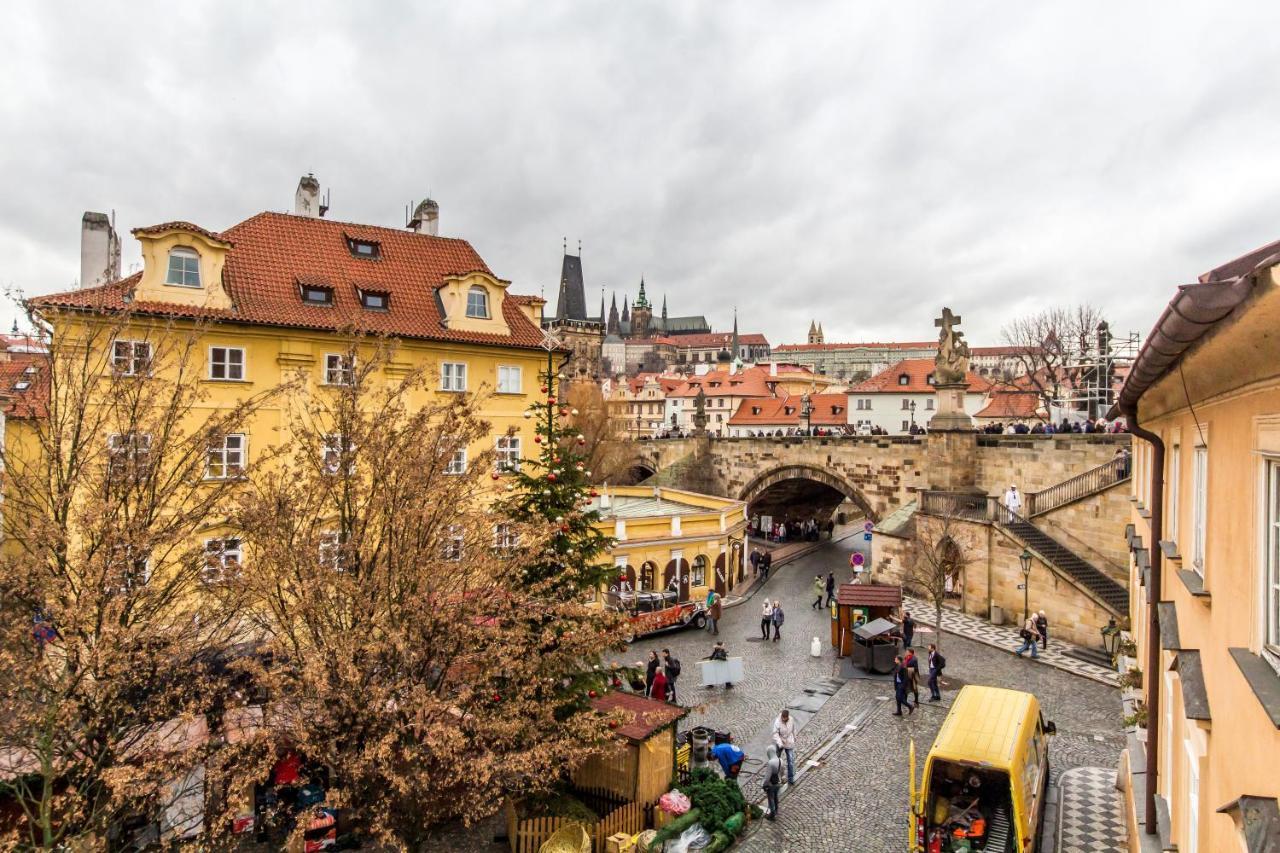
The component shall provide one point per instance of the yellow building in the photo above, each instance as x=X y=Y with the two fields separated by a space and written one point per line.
x=1204 y=398
x=279 y=296
x=672 y=539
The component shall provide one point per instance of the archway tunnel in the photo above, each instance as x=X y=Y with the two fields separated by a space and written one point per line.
x=635 y=474
x=797 y=499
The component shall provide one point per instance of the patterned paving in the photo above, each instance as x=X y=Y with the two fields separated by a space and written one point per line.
x=1005 y=637
x=1090 y=819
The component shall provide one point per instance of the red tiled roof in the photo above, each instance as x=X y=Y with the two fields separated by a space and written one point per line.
x=869 y=595
x=828 y=410
x=1011 y=404
x=751 y=382
x=646 y=716
x=29 y=402
x=716 y=339
x=273 y=251
x=636 y=383
x=917 y=371
x=897 y=345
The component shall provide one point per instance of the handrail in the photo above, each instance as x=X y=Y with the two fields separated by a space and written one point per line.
x=1080 y=486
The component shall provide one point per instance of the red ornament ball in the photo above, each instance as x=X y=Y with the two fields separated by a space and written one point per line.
x=551 y=477
x=537 y=439
x=544 y=389
x=555 y=459
x=551 y=400
x=497 y=698
x=594 y=493
x=564 y=528
x=592 y=694
x=613 y=724
x=494 y=475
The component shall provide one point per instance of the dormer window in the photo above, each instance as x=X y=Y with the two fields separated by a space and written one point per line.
x=364 y=248
x=755 y=410
x=375 y=300
x=313 y=294
x=928 y=380
x=478 y=303
x=904 y=379
x=184 y=268
x=21 y=386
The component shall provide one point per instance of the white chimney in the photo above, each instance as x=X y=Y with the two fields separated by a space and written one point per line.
x=426 y=218
x=99 y=249
x=773 y=368
x=306 y=201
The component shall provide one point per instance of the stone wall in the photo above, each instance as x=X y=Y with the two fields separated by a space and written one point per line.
x=1094 y=529
x=1035 y=462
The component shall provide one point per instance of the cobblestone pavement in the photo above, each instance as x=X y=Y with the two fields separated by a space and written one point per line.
x=1091 y=815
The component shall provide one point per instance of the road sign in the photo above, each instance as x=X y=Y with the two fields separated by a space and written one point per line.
x=866 y=537
x=856 y=558
x=1022 y=586
x=868 y=526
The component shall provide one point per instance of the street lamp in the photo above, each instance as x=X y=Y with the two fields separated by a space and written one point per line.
x=913 y=416
x=806 y=409
x=1025 y=559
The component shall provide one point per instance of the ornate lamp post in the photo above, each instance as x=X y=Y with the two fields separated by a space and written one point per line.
x=913 y=416
x=1025 y=559
x=806 y=410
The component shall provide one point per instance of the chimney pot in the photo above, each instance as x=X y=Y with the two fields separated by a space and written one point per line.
x=306 y=201
x=99 y=249
x=426 y=218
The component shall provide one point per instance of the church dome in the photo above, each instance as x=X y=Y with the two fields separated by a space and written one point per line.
x=724 y=357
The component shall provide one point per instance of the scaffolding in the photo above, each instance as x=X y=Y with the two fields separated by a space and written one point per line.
x=1094 y=374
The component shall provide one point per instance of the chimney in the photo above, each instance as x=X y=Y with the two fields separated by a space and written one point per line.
x=426 y=218
x=307 y=201
x=99 y=249
x=773 y=368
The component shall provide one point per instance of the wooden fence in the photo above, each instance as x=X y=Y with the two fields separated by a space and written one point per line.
x=526 y=836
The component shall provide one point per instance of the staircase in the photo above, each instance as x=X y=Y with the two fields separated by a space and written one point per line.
x=1088 y=576
x=1080 y=486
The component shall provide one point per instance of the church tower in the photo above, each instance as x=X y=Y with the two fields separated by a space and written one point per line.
x=641 y=315
x=614 y=327
x=815 y=332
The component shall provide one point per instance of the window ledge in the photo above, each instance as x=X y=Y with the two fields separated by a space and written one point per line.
x=227 y=381
x=1264 y=680
x=1194 y=583
x=1145 y=513
x=1170 y=549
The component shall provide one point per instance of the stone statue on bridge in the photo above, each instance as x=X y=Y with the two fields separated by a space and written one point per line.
x=951 y=364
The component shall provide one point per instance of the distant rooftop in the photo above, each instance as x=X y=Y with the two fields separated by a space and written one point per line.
x=626 y=506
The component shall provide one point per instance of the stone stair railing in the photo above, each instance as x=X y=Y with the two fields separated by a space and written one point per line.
x=1079 y=487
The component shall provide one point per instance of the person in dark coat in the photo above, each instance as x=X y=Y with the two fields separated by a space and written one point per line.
x=672 y=666
x=831 y=588
x=936 y=664
x=900 y=686
x=778 y=617
x=1042 y=624
x=651 y=669
x=912 y=663
x=908 y=629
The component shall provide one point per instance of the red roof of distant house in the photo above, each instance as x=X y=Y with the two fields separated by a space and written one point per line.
x=646 y=716
x=272 y=252
x=1011 y=404
x=24 y=385
x=717 y=339
x=636 y=383
x=828 y=410
x=893 y=345
x=752 y=382
x=869 y=595
x=917 y=371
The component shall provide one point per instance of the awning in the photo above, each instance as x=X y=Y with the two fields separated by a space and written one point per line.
x=874 y=629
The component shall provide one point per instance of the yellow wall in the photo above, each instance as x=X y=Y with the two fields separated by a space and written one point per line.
x=1236 y=403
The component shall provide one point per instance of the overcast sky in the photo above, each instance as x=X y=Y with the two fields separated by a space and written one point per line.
x=862 y=166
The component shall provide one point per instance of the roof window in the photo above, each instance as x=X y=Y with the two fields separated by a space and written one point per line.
x=184 y=267
x=364 y=248
x=314 y=294
x=904 y=379
x=929 y=379
x=375 y=300
x=21 y=386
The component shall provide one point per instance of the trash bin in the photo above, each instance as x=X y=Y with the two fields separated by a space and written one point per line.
x=997 y=614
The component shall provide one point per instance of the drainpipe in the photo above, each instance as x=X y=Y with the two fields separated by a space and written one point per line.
x=1153 y=618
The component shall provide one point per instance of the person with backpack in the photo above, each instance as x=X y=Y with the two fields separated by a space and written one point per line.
x=778 y=617
x=772 y=780
x=672 y=665
x=1030 y=635
x=937 y=663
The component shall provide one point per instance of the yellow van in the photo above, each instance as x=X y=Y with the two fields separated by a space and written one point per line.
x=985 y=777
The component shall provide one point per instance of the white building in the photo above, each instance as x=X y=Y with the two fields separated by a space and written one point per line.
x=903 y=394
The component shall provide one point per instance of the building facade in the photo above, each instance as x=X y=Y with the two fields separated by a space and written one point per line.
x=903 y=396
x=1205 y=538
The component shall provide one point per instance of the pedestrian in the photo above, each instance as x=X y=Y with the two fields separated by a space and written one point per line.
x=772 y=780
x=778 y=617
x=818 y=589
x=937 y=663
x=900 y=687
x=720 y=653
x=672 y=665
x=831 y=588
x=1012 y=500
x=766 y=619
x=658 y=690
x=1030 y=634
x=912 y=663
x=784 y=738
x=713 y=614
x=755 y=562
x=729 y=756
x=767 y=562
x=908 y=629
x=1042 y=626
x=1123 y=456
x=651 y=669
x=831 y=528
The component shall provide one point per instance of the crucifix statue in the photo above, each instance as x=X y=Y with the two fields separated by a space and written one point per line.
x=951 y=364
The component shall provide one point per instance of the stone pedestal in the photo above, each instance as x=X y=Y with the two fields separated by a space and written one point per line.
x=951 y=414
x=952 y=457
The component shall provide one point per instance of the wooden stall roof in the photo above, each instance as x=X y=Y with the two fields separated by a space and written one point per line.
x=869 y=595
x=645 y=716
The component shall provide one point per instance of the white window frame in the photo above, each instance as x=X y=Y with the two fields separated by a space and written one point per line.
x=698 y=573
x=507 y=454
x=1165 y=774
x=126 y=447
x=505 y=539
x=1271 y=562
x=510 y=379
x=1175 y=492
x=457 y=464
x=339 y=368
x=331 y=453
x=906 y=404
x=483 y=293
x=1191 y=844
x=131 y=358
x=453 y=545
x=453 y=376
x=329 y=551
x=1200 y=506
x=227 y=365
x=218 y=558
x=187 y=255
x=227 y=461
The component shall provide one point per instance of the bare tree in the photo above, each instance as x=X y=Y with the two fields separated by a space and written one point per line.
x=935 y=562
x=1047 y=346
x=111 y=487
x=605 y=450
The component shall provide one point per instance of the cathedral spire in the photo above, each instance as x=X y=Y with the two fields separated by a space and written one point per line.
x=614 y=328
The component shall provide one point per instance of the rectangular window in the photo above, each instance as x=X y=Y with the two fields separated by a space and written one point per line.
x=457 y=462
x=928 y=404
x=226 y=363
x=510 y=379
x=330 y=549
x=131 y=358
x=453 y=376
x=313 y=295
x=1272 y=563
x=505 y=539
x=1200 y=509
x=699 y=574
x=453 y=543
x=363 y=248
x=184 y=268
x=226 y=458
x=222 y=559
x=508 y=453
x=906 y=425
x=334 y=448
x=1175 y=473
x=128 y=454
x=1191 y=843
x=339 y=369
x=374 y=300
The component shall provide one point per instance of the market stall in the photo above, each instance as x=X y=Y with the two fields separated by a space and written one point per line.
x=858 y=604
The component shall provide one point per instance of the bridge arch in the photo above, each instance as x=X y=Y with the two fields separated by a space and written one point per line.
x=783 y=484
